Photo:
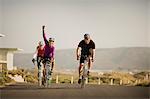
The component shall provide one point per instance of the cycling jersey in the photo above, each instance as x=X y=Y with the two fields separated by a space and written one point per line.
x=48 y=50
x=86 y=47
x=40 y=51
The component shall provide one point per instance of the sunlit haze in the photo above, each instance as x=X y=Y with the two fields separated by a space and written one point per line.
x=111 y=23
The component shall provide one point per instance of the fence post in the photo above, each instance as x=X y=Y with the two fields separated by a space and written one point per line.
x=57 y=79
x=136 y=82
x=146 y=77
x=121 y=81
x=139 y=81
x=71 y=79
x=128 y=82
x=99 y=80
x=86 y=80
x=111 y=82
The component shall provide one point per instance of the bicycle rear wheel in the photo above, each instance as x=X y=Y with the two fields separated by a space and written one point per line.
x=82 y=82
x=48 y=74
x=40 y=75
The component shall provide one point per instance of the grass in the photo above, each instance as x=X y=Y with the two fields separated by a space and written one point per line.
x=4 y=77
x=144 y=83
x=105 y=79
x=29 y=76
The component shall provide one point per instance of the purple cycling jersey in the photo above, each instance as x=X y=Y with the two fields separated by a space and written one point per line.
x=48 y=50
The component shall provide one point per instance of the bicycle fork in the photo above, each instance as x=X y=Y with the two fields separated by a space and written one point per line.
x=84 y=75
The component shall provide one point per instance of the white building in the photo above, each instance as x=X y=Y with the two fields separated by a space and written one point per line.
x=6 y=57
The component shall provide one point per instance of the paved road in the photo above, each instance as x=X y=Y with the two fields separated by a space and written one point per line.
x=69 y=91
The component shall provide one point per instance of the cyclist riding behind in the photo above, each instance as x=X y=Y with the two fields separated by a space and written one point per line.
x=39 y=53
x=38 y=56
x=49 y=49
x=86 y=47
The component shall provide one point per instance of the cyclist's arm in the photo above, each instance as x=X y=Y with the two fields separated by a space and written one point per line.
x=78 y=52
x=36 y=52
x=93 y=55
x=79 y=48
x=93 y=51
x=35 y=56
x=44 y=36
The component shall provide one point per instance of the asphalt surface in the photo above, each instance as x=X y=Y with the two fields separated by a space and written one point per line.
x=73 y=91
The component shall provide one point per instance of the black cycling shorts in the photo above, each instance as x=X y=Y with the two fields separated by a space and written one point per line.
x=82 y=58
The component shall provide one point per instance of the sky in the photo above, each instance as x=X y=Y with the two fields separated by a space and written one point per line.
x=111 y=23
x=0 y=20
x=149 y=22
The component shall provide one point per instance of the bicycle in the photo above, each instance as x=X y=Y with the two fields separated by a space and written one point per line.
x=84 y=71
x=40 y=69
x=48 y=72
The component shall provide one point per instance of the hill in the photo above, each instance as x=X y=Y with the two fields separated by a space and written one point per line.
x=129 y=58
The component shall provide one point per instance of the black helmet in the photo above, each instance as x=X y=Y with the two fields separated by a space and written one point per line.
x=51 y=39
x=87 y=36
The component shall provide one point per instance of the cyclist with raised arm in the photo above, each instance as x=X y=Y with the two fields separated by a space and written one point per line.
x=49 y=49
x=86 y=47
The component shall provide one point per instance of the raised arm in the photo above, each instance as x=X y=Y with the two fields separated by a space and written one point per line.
x=44 y=36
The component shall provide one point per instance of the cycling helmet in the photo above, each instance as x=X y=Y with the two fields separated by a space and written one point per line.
x=87 y=36
x=51 y=39
x=40 y=43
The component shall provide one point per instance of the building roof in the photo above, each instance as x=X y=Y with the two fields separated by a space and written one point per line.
x=1 y=35
x=1 y=61
x=11 y=49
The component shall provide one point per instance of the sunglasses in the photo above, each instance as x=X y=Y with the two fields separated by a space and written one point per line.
x=86 y=38
x=51 y=41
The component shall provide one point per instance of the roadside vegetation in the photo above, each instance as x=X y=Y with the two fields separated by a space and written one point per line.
x=4 y=77
x=108 y=78
x=29 y=76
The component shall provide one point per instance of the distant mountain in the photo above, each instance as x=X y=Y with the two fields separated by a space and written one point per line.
x=129 y=58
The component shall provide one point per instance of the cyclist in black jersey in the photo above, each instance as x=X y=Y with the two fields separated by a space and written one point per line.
x=86 y=47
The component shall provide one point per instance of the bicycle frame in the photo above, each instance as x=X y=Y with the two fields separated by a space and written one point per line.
x=84 y=79
x=40 y=70
x=47 y=73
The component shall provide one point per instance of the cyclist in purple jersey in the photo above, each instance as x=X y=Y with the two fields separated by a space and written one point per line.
x=49 y=49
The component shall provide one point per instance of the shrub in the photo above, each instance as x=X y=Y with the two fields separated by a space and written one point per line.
x=30 y=79
x=144 y=84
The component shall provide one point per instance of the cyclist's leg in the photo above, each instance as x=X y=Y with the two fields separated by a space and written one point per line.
x=89 y=64
x=48 y=67
x=80 y=69
x=39 y=70
x=81 y=65
x=44 y=72
x=80 y=73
